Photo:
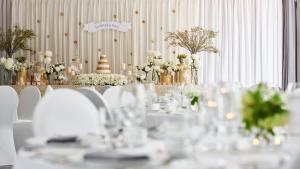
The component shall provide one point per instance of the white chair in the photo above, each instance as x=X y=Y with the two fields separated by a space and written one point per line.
x=103 y=89
x=117 y=97
x=8 y=110
x=65 y=112
x=22 y=131
x=96 y=98
x=28 y=99
x=48 y=90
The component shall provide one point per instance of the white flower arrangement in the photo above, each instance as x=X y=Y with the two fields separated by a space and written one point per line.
x=170 y=67
x=8 y=63
x=12 y=65
x=195 y=62
x=94 y=79
x=49 y=70
x=194 y=94
x=154 y=60
x=58 y=69
x=46 y=57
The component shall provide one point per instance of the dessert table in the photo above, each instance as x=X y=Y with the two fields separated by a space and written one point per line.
x=160 y=89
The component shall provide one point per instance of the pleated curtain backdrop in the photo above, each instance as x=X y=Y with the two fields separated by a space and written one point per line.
x=249 y=33
x=5 y=23
x=5 y=16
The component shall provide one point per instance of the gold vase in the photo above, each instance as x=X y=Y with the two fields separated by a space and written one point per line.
x=165 y=78
x=183 y=76
x=22 y=80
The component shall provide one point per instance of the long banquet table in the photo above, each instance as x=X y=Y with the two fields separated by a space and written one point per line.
x=51 y=157
x=160 y=89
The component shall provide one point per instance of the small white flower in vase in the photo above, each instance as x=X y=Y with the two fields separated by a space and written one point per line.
x=47 y=60
x=48 y=53
x=147 y=69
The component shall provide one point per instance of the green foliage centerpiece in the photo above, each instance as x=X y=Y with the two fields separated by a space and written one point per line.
x=263 y=109
x=15 y=39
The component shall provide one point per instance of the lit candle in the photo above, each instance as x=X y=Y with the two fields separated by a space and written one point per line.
x=277 y=141
x=255 y=141
x=123 y=66
x=229 y=116
x=211 y=103
x=73 y=73
x=80 y=66
x=129 y=73
x=223 y=90
x=69 y=69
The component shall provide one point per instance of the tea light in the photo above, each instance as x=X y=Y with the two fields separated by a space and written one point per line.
x=123 y=66
x=229 y=116
x=277 y=141
x=69 y=70
x=255 y=141
x=223 y=90
x=211 y=103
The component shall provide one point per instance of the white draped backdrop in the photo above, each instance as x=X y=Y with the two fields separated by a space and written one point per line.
x=249 y=33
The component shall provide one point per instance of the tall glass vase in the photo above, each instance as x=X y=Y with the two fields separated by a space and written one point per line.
x=155 y=77
x=195 y=79
x=8 y=77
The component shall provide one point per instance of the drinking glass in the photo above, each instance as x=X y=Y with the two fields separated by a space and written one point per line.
x=196 y=130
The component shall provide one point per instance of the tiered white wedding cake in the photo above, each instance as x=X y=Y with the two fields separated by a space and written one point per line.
x=103 y=65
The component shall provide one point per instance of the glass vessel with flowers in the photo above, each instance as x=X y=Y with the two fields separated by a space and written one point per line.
x=59 y=72
x=150 y=72
x=183 y=75
x=263 y=109
x=167 y=73
x=195 y=40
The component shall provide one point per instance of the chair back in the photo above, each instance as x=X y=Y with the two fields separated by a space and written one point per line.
x=48 y=90
x=96 y=98
x=28 y=99
x=65 y=112
x=8 y=112
x=117 y=96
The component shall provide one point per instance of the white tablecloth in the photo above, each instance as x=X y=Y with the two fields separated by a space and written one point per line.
x=289 y=154
x=286 y=158
x=23 y=129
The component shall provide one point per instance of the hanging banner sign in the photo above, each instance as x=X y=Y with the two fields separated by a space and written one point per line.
x=118 y=26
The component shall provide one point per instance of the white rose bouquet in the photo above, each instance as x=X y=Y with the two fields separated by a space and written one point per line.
x=7 y=63
x=170 y=67
x=59 y=70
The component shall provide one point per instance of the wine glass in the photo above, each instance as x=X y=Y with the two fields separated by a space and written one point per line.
x=196 y=130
